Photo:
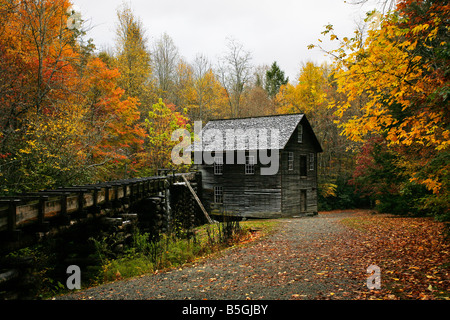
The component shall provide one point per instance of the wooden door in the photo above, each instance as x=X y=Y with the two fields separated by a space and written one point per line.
x=303 y=200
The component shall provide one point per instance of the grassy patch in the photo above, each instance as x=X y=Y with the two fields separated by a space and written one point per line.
x=261 y=226
x=169 y=252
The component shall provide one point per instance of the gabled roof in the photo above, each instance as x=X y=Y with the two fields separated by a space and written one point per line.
x=265 y=130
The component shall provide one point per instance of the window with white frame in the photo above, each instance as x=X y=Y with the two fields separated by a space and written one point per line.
x=250 y=165
x=291 y=161
x=311 y=161
x=300 y=134
x=303 y=167
x=218 y=165
x=218 y=194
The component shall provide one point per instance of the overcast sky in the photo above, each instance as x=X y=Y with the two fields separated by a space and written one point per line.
x=272 y=30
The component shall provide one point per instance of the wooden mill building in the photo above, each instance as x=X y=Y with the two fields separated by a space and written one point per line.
x=275 y=177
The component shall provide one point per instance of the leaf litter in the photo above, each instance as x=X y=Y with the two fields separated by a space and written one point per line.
x=324 y=257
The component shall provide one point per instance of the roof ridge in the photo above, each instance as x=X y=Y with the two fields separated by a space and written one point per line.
x=269 y=116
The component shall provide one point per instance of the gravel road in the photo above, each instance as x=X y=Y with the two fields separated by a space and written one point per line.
x=299 y=260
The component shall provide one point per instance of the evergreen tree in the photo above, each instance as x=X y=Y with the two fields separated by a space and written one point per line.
x=274 y=80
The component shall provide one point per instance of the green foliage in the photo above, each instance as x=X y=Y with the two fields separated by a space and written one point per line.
x=46 y=280
x=167 y=251
x=274 y=80
x=126 y=267
x=346 y=196
x=380 y=176
x=160 y=123
x=143 y=255
x=42 y=155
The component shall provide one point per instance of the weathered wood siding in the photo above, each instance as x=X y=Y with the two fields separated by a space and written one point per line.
x=292 y=182
x=244 y=195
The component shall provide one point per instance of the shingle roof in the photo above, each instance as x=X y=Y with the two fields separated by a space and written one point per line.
x=271 y=132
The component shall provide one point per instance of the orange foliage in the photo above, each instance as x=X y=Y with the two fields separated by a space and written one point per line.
x=112 y=120
x=62 y=114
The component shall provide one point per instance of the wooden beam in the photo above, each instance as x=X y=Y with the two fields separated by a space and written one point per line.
x=198 y=200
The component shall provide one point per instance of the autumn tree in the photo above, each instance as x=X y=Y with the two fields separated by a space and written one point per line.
x=40 y=90
x=259 y=75
x=209 y=97
x=133 y=58
x=378 y=176
x=402 y=69
x=314 y=95
x=165 y=61
x=113 y=137
x=37 y=47
x=308 y=94
x=15 y=94
x=234 y=73
x=64 y=118
x=200 y=67
x=385 y=5
x=183 y=86
x=161 y=121
x=256 y=102
x=53 y=44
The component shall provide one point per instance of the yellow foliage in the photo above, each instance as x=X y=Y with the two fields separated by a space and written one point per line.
x=328 y=190
x=393 y=85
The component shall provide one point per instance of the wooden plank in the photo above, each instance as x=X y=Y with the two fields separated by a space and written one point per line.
x=198 y=200
x=26 y=212
x=52 y=207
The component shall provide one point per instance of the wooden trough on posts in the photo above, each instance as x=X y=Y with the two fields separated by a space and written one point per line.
x=33 y=212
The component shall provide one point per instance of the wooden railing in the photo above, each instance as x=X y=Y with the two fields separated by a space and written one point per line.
x=38 y=208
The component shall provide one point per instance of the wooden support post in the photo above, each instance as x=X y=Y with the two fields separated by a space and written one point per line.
x=12 y=216
x=144 y=188
x=198 y=200
x=64 y=216
x=126 y=194
x=116 y=202
x=41 y=211
x=138 y=190
x=43 y=226
x=132 y=192
x=15 y=233
x=95 y=198
x=116 y=193
x=149 y=187
x=107 y=198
